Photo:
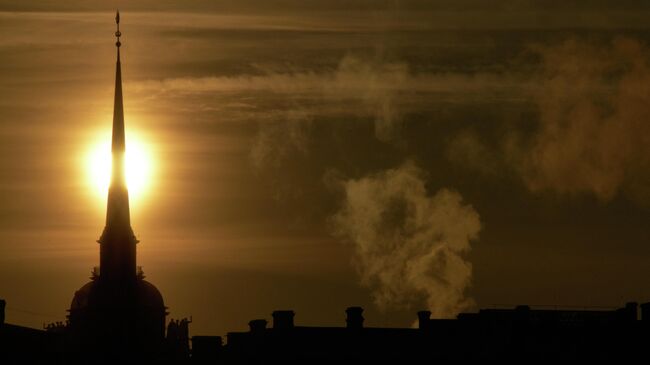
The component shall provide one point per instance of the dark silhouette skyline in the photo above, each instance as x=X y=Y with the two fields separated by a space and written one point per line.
x=495 y=334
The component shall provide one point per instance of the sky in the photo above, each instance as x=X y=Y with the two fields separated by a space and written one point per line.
x=315 y=155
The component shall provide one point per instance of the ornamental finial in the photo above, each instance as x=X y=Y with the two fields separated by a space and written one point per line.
x=118 y=33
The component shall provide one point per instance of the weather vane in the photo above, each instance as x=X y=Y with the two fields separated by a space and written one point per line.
x=118 y=33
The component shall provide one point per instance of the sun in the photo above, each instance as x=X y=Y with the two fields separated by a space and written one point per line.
x=139 y=165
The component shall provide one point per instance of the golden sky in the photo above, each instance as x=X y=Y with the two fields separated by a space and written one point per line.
x=394 y=155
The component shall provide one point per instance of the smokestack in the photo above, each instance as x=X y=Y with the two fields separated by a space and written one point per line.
x=424 y=319
x=257 y=325
x=354 y=317
x=645 y=311
x=283 y=319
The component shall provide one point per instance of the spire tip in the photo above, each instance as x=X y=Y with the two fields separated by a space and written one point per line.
x=118 y=33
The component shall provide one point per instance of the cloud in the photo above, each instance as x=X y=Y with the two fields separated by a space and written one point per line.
x=593 y=133
x=354 y=77
x=374 y=85
x=358 y=86
x=409 y=244
x=377 y=85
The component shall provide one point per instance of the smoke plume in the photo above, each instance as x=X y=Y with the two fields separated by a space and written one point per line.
x=409 y=244
x=594 y=135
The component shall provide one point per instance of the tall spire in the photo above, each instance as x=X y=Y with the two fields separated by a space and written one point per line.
x=118 y=140
x=117 y=251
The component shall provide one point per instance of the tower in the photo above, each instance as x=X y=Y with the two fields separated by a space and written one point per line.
x=118 y=313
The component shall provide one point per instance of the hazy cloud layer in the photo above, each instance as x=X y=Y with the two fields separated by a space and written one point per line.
x=417 y=14
x=359 y=87
x=354 y=77
x=409 y=244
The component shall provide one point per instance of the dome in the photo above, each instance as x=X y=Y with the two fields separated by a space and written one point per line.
x=81 y=296
x=146 y=296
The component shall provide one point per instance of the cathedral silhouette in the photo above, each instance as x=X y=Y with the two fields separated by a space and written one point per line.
x=118 y=317
x=118 y=309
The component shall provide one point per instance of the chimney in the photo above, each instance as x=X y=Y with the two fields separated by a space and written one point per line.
x=3 y=303
x=354 y=317
x=631 y=311
x=645 y=311
x=424 y=319
x=283 y=319
x=257 y=325
x=627 y=313
x=522 y=313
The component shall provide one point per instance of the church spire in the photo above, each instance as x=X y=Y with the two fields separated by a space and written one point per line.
x=118 y=140
x=117 y=250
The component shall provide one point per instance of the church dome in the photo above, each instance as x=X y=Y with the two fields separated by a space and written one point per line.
x=82 y=296
x=146 y=296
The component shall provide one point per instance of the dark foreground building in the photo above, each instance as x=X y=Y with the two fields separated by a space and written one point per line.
x=521 y=334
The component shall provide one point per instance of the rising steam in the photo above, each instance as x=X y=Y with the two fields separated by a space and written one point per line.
x=594 y=137
x=409 y=244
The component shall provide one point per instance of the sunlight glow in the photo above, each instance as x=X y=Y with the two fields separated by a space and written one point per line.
x=139 y=166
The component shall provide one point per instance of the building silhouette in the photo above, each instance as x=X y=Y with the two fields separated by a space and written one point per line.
x=117 y=313
x=117 y=317
x=521 y=334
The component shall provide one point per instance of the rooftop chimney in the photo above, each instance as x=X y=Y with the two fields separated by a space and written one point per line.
x=522 y=313
x=631 y=310
x=627 y=313
x=645 y=311
x=354 y=317
x=283 y=319
x=257 y=325
x=424 y=319
x=3 y=303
